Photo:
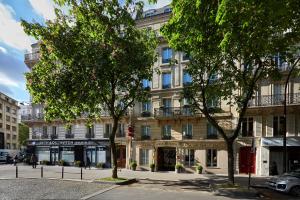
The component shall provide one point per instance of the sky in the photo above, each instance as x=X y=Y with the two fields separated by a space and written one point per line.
x=14 y=42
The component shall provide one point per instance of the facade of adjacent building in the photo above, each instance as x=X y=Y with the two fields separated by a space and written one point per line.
x=167 y=131
x=8 y=122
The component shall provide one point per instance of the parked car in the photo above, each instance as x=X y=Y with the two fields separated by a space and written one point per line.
x=5 y=157
x=288 y=183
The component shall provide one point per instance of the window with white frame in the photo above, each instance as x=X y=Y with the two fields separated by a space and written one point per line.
x=107 y=130
x=187 y=130
x=187 y=79
x=166 y=132
x=121 y=130
x=247 y=127
x=166 y=54
x=166 y=80
x=144 y=157
x=146 y=83
x=211 y=158
x=189 y=157
x=145 y=131
x=146 y=106
x=278 y=123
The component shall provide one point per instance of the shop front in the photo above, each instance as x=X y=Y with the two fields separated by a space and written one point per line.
x=97 y=151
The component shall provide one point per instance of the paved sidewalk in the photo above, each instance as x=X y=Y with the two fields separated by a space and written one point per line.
x=25 y=171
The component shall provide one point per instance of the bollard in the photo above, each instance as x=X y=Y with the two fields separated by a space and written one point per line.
x=62 y=172
x=16 y=171
x=42 y=171
x=81 y=173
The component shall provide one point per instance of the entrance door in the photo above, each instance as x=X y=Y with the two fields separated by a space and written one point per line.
x=91 y=154
x=121 y=156
x=166 y=158
x=54 y=155
x=246 y=160
x=79 y=152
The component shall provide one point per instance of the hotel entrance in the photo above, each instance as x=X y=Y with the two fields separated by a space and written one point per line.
x=166 y=159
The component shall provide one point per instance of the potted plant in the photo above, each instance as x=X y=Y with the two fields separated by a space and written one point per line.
x=133 y=165
x=152 y=167
x=100 y=165
x=199 y=169
x=178 y=168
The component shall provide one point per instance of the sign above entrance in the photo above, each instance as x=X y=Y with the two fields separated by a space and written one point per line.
x=67 y=142
x=277 y=142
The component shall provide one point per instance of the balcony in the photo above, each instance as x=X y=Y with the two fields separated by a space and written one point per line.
x=53 y=136
x=35 y=117
x=174 y=111
x=212 y=136
x=89 y=135
x=166 y=137
x=44 y=136
x=68 y=135
x=35 y=136
x=145 y=137
x=274 y=100
x=187 y=137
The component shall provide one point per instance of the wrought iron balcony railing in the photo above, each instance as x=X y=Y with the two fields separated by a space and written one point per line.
x=53 y=136
x=166 y=137
x=145 y=137
x=32 y=56
x=274 y=100
x=68 y=135
x=187 y=137
x=45 y=136
x=174 y=111
x=89 y=135
x=39 y=116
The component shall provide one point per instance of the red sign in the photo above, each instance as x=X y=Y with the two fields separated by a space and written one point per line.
x=131 y=131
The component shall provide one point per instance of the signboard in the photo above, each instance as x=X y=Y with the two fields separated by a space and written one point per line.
x=278 y=142
x=66 y=142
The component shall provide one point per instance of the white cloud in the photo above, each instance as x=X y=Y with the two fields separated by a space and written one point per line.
x=159 y=4
x=11 y=31
x=45 y=8
x=7 y=81
x=3 y=50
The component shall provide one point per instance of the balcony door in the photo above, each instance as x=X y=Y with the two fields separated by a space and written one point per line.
x=278 y=94
x=167 y=104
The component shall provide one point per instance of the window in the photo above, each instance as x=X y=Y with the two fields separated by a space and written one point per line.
x=278 y=94
x=53 y=130
x=8 y=127
x=0 y=105
x=146 y=84
x=247 y=127
x=166 y=132
x=280 y=63
x=14 y=137
x=185 y=56
x=187 y=79
x=7 y=118
x=14 y=128
x=278 y=123
x=213 y=102
x=8 y=136
x=14 y=146
x=189 y=157
x=167 y=107
x=44 y=130
x=146 y=106
x=14 y=120
x=121 y=130
x=1 y=125
x=90 y=131
x=0 y=115
x=144 y=156
x=7 y=109
x=14 y=111
x=166 y=80
x=8 y=145
x=211 y=158
x=69 y=132
x=145 y=132
x=212 y=132
x=187 y=131
x=166 y=55
x=108 y=129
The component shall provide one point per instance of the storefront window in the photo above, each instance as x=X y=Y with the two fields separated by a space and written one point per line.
x=189 y=157
x=211 y=158
x=43 y=153
x=67 y=154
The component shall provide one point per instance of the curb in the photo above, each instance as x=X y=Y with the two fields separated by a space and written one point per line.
x=99 y=192
x=127 y=182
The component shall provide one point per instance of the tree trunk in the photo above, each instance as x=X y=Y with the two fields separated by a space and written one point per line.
x=230 y=161
x=114 y=149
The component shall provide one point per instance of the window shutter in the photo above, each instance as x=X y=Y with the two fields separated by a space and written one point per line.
x=258 y=126
x=290 y=125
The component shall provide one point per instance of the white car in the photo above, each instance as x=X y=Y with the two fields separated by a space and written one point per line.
x=288 y=183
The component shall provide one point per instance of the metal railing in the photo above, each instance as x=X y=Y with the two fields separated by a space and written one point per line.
x=89 y=135
x=39 y=116
x=32 y=56
x=166 y=137
x=174 y=111
x=187 y=137
x=274 y=100
x=68 y=135
x=146 y=114
x=145 y=137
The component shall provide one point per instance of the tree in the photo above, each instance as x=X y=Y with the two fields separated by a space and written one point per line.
x=23 y=134
x=92 y=60
x=236 y=41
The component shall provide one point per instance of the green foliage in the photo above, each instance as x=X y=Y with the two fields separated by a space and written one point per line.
x=152 y=165
x=179 y=166
x=77 y=163
x=237 y=41
x=92 y=60
x=45 y=162
x=100 y=165
x=133 y=165
x=23 y=134
x=62 y=163
x=199 y=168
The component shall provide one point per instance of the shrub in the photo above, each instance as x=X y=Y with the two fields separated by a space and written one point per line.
x=199 y=169
x=179 y=166
x=62 y=163
x=133 y=165
x=45 y=162
x=152 y=165
x=77 y=163
x=100 y=165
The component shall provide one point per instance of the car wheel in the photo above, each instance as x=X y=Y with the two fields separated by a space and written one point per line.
x=295 y=191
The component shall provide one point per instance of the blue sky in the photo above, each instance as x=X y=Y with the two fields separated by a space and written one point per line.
x=14 y=42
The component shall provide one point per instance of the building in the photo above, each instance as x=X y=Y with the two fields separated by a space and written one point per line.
x=8 y=122
x=167 y=131
x=54 y=141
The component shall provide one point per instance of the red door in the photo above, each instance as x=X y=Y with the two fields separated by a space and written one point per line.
x=121 y=156
x=246 y=160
